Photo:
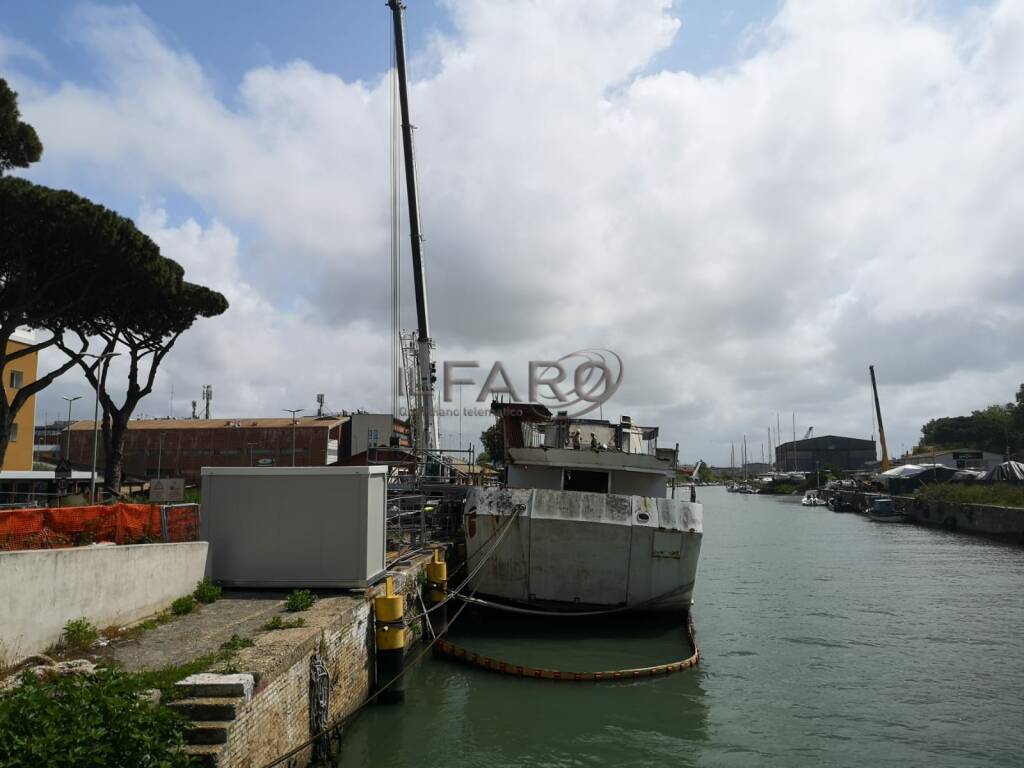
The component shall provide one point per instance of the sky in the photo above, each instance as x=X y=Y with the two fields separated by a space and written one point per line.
x=748 y=202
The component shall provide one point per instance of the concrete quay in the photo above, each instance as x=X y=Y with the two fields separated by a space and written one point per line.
x=1002 y=523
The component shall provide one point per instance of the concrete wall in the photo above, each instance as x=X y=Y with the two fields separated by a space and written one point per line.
x=108 y=584
x=1005 y=523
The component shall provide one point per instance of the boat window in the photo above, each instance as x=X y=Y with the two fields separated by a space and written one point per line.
x=584 y=480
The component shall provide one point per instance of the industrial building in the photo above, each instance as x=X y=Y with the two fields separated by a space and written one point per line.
x=826 y=451
x=362 y=431
x=182 y=447
x=17 y=374
x=958 y=458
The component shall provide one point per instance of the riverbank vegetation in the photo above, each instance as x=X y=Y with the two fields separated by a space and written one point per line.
x=998 y=495
x=101 y=720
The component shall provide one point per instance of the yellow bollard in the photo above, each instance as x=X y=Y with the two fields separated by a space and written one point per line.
x=389 y=639
x=437 y=591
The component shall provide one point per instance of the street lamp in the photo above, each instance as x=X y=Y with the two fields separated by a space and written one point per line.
x=104 y=361
x=67 y=455
x=293 y=411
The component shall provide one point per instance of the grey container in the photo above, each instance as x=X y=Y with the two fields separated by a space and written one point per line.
x=294 y=526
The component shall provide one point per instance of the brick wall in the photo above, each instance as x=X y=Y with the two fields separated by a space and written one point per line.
x=276 y=720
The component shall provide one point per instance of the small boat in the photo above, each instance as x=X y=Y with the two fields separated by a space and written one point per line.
x=883 y=510
x=746 y=489
x=839 y=504
x=811 y=499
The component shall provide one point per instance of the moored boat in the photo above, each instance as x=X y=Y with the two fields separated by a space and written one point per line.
x=883 y=510
x=585 y=521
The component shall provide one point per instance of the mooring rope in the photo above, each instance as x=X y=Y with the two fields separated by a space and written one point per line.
x=458 y=653
x=335 y=727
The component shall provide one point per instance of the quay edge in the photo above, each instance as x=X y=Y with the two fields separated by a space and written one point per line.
x=1001 y=523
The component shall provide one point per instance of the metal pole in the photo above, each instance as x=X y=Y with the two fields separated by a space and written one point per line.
x=881 y=429
x=67 y=455
x=293 y=412
x=159 y=455
x=425 y=396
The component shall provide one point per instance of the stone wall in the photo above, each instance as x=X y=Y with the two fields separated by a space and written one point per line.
x=108 y=584
x=276 y=719
x=1004 y=523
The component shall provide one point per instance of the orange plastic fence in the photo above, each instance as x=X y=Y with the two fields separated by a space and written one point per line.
x=74 y=526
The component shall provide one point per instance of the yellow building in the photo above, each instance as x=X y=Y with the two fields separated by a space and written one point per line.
x=17 y=374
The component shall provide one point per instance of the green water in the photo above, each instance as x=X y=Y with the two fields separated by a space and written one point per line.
x=826 y=640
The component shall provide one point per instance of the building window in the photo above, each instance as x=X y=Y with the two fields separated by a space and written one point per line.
x=13 y=434
x=372 y=437
x=17 y=380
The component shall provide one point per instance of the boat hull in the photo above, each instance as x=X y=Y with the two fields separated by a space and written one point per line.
x=897 y=518
x=567 y=550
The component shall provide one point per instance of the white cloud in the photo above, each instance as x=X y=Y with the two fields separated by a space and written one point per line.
x=748 y=240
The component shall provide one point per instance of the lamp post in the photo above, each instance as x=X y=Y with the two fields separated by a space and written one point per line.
x=67 y=451
x=293 y=412
x=104 y=362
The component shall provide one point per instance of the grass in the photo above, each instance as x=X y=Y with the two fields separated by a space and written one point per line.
x=278 y=623
x=183 y=605
x=998 y=494
x=236 y=643
x=79 y=635
x=206 y=592
x=164 y=679
x=299 y=600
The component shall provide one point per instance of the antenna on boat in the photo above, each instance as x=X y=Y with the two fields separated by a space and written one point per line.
x=424 y=396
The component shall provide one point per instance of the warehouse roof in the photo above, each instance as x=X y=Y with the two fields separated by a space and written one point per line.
x=244 y=423
x=829 y=442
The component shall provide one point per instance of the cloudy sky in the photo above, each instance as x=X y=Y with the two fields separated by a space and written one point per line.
x=748 y=202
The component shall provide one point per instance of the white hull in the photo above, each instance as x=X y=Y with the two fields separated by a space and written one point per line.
x=580 y=551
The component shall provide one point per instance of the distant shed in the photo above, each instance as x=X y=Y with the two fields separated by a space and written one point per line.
x=845 y=453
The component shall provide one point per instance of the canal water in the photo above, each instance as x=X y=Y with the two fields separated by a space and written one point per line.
x=826 y=639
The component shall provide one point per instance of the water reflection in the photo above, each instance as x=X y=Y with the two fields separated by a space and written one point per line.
x=456 y=715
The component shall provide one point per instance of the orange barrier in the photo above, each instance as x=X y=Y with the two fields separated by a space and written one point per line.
x=75 y=526
x=458 y=653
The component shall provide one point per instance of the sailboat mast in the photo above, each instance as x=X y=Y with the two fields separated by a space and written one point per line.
x=425 y=366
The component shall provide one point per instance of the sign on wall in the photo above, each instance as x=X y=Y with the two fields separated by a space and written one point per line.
x=167 y=489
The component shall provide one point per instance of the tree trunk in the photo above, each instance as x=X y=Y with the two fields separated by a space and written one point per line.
x=114 y=448
x=6 y=421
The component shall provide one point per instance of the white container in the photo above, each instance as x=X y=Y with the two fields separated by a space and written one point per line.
x=294 y=526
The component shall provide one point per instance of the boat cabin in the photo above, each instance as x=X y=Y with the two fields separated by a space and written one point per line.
x=588 y=455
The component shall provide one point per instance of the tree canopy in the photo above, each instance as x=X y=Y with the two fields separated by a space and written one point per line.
x=493 y=440
x=19 y=144
x=988 y=429
x=74 y=272
x=144 y=327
